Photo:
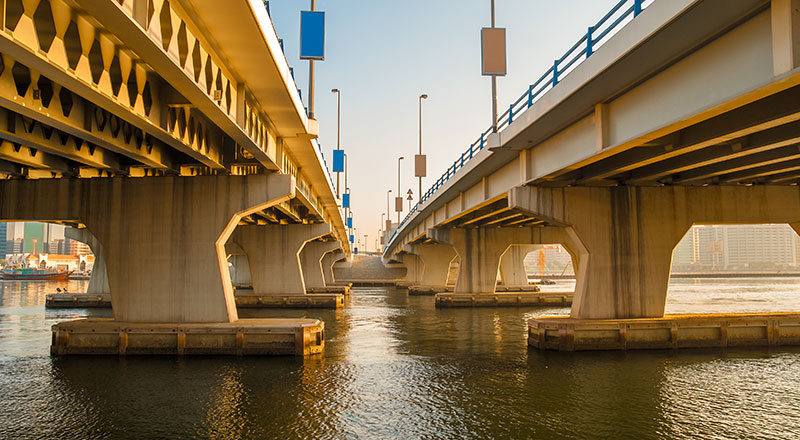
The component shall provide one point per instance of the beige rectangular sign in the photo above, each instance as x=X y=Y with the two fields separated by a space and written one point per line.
x=398 y=204
x=419 y=165
x=493 y=52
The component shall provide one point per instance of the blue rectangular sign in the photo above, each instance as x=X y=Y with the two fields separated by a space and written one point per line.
x=346 y=201
x=312 y=35
x=352 y=238
x=338 y=161
x=349 y=222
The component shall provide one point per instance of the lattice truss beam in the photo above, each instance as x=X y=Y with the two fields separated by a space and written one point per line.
x=70 y=90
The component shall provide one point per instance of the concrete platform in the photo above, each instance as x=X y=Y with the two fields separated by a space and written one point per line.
x=520 y=299
x=672 y=331
x=313 y=301
x=299 y=337
x=76 y=300
x=511 y=289
x=427 y=290
x=342 y=290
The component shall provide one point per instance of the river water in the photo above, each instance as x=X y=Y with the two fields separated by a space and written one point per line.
x=396 y=367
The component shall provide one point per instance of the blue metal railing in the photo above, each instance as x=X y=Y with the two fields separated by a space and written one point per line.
x=620 y=15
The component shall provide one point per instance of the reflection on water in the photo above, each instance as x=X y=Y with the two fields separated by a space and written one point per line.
x=395 y=367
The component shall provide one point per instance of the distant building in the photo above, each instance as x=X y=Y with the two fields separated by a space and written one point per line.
x=738 y=247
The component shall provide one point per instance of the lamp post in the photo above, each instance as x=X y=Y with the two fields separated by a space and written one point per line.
x=420 y=173
x=388 y=212
x=338 y=130
x=365 y=243
x=399 y=206
x=494 y=89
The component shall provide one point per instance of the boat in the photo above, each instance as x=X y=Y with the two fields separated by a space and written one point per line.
x=33 y=274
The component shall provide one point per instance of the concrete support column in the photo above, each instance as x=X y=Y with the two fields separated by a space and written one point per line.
x=414 y=268
x=328 y=260
x=512 y=265
x=98 y=282
x=163 y=237
x=436 y=260
x=274 y=255
x=238 y=265
x=626 y=235
x=785 y=16
x=311 y=261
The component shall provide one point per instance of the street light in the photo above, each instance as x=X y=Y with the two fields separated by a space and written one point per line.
x=338 y=130
x=419 y=161
x=388 y=212
x=398 y=201
x=366 y=248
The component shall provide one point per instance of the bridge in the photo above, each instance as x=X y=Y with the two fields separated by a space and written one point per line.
x=665 y=114
x=170 y=143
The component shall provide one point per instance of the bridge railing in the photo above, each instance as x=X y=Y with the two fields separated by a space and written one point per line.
x=619 y=16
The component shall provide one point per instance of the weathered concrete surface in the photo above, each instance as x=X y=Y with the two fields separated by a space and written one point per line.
x=98 y=282
x=328 y=260
x=480 y=250
x=300 y=337
x=311 y=262
x=436 y=259
x=163 y=237
x=244 y=299
x=517 y=299
x=512 y=265
x=239 y=266
x=670 y=331
x=622 y=238
x=369 y=269
x=274 y=255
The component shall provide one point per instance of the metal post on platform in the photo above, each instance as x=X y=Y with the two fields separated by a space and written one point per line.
x=420 y=173
x=388 y=211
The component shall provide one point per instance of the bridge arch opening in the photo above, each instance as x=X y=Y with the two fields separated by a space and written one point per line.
x=743 y=268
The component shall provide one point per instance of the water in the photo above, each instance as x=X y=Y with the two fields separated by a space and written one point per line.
x=395 y=367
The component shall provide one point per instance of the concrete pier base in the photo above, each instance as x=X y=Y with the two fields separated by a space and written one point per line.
x=518 y=299
x=250 y=300
x=77 y=300
x=243 y=300
x=299 y=337
x=341 y=290
x=671 y=331
x=428 y=290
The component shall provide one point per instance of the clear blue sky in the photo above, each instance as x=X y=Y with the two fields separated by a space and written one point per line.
x=383 y=54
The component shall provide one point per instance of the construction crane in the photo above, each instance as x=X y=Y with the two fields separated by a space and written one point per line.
x=542 y=259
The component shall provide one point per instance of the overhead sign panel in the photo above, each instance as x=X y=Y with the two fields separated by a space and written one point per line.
x=346 y=200
x=338 y=161
x=312 y=35
x=493 y=52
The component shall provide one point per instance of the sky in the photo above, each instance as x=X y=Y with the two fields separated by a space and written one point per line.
x=383 y=55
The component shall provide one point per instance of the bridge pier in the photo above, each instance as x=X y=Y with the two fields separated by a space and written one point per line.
x=273 y=252
x=629 y=233
x=163 y=239
x=430 y=268
x=98 y=282
x=311 y=258
x=328 y=260
x=512 y=266
x=480 y=251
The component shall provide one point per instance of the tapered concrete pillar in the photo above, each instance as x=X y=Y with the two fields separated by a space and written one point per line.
x=274 y=255
x=480 y=251
x=628 y=235
x=311 y=262
x=163 y=237
x=414 y=269
x=436 y=260
x=512 y=265
x=328 y=260
x=238 y=265
x=98 y=282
